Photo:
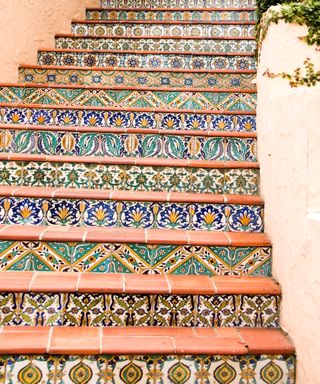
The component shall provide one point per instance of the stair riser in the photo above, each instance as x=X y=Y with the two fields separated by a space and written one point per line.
x=128 y=145
x=138 y=78
x=177 y=3
x=161 y=368
x=170 y=15
x=160 y=44
x=153 y=61
x=123 y=119
x=224 y=101
x=134 y=258
x=130 y=177
x=121 y=310
x=205 y=216
x=143 y=30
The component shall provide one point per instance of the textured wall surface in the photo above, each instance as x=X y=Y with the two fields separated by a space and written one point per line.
x=289 y=154
x=31 y=24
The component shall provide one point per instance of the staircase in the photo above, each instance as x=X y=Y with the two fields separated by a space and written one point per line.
x=131 y=227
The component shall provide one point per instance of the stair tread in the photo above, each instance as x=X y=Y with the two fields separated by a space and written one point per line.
x=143 y=340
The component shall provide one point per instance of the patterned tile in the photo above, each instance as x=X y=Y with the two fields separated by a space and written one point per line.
x=157 y=44
x=134 y=258
x=170 y=15
x=131 y=214
x=127 y=145
x=137 y=78
x=148 y=369
x=166 y=30
x=190 y=121
x=147 y=60
x=130 y=177
x=130 y=98
x=121 y=310
x=177 y=3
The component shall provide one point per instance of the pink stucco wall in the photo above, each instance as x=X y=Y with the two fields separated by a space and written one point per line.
x=27 y=25
x=289 y=155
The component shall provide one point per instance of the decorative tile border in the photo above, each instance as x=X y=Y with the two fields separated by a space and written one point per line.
x=165 y=30
x=147 y=60
x=225 y=101
x=135 y=258
x=125 y=119
x=170 y=15
x=130 y=177
x=131 y=214
x=268 y=369
x=177 y=3
x=137 y=78
x=122 y=310
x=157 y=44
x=127 y=145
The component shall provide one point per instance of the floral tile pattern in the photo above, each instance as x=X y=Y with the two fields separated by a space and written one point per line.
x=134 y=258
x=128 y=145
x=129 y=98
x=138 y=78
x=113 y=310
x=157 y=44
x=157 y=369
x=131 y=214
x=130 y=177
x=156 y=60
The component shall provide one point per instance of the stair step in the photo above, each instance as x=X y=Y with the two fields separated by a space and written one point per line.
x=75 y=299
x=166 y=29
x=146 y=59
x=178 y=14
x=129 y=77
x=163 y=43
x=117 y=117
x=149 y=251
x=130 y=174
x=152 y=144
x=51 y=206
x=164 y=98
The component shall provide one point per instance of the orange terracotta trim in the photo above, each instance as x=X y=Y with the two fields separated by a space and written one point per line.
x=165 y=22
x=212 y=9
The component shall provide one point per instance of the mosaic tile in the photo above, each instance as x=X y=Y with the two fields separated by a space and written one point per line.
x=130 y=177
x=166 y=30
x=137 y=78
x=190 y=121
x=146 y=60
x=157 y=44
x=224 y=101
x=156 y=369
x=177 y=3
x=121 y=310
x=131 y=214
x=134 y=258
x=170 y=15
x=127 y=145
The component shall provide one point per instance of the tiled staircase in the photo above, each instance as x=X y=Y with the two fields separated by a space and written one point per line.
x=132 y=246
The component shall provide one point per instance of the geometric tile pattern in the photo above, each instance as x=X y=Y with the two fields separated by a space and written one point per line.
x=137 y=78
x=157 y=30
x=157 y=369
x=145 y=59
x=131 y=214
x=170 y=15
x=130 y=177
x=99 y=117
x=110 y=310
x=129 y=98
x=157 y=44
x=128 y=145
x=134 y=258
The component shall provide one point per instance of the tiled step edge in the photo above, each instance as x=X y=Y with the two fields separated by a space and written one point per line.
x=143 y=340
x=166 y=22
x=142 y=9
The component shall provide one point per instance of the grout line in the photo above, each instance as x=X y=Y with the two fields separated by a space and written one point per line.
x=84 y=236
x=100 y=339
x=169 y=285
x=123 y=283
x=35 y=274
x=49 y=339
x=229 y=238
x=78 y=282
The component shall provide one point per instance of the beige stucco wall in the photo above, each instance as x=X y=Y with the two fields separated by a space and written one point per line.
x=289 y=155
x=27 y=25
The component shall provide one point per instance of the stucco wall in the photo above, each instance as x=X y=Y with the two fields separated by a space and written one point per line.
x=289 y=155
x=27 y=25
